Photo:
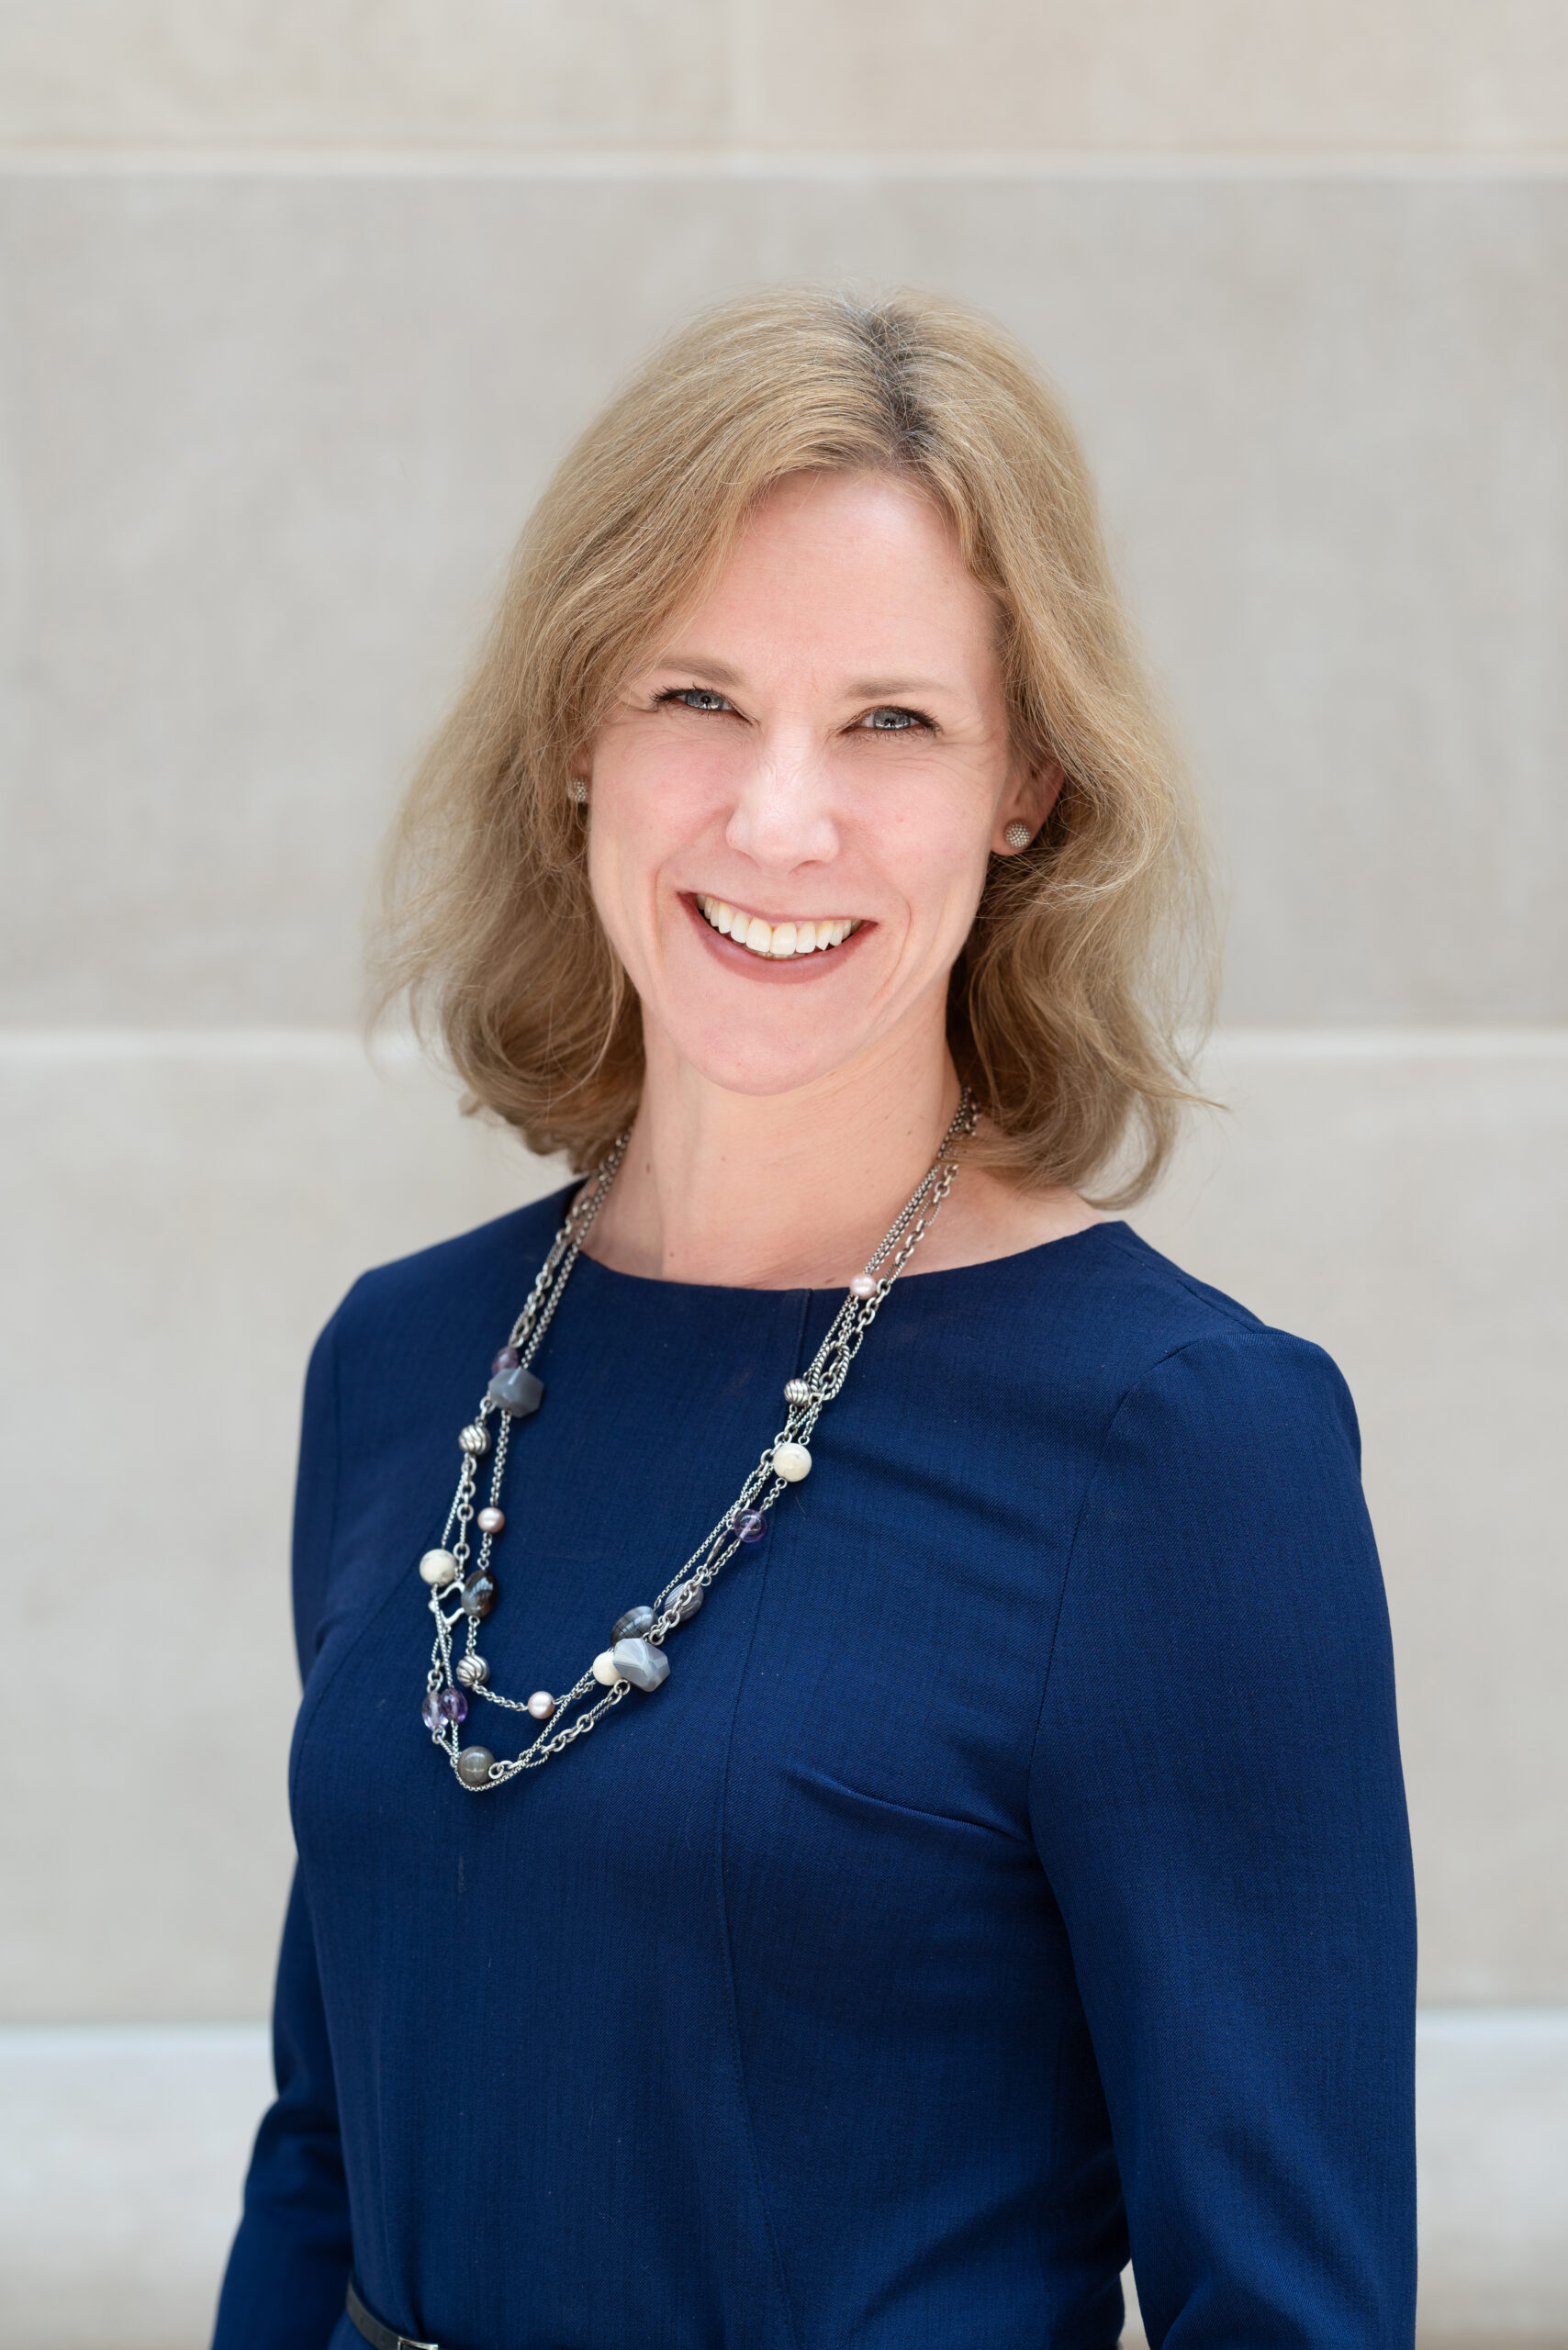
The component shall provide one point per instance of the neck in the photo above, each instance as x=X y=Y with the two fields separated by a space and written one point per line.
x=774 y=1191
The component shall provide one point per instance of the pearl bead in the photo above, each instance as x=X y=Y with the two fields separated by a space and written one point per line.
x=863 y=1286
x=471 y=1670
x=791 y=1462
x=491 y=1521
x=797 y=1391
x=438 y=1567
x=473 y=1767
x=475 y=1439
x=603 y=1669
x=542 y=1705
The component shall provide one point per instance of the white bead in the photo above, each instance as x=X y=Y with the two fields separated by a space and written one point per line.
x=604 y=1669
x=791 y=1462
x=438 y=1567
x=863 y=1286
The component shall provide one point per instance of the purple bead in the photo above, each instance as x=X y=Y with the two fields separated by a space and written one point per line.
x=431 y=1710
x=750 y=1525
x=507 y=1359
x=453 y=1705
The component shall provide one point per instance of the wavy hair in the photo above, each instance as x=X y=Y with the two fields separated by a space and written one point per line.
x=1087 y=949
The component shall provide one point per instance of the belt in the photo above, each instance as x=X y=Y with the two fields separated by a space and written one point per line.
x=379 y=2336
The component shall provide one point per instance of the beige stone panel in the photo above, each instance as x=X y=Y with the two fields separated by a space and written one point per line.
x=267 y=443
x=1160 y=75
x=1403 y=1209
x=177 y=1224
x=363 y=72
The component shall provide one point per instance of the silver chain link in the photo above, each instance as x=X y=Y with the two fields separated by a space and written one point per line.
x=822 y=1382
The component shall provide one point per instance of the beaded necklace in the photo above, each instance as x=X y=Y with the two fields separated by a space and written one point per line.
x=463 y=1589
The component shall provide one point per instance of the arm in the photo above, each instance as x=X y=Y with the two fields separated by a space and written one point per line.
x=1217 y=1801
x=287 y=2271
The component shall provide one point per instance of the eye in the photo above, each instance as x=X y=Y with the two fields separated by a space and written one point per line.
x=696 y=697
x=892 y=721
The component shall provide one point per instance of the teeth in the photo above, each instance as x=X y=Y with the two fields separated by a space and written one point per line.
x=778 y=940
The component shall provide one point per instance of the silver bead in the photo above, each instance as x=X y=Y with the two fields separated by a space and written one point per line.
x=476 y=1439
x=791 y=1462
x=542 y=1705
x=797 y=1391
x=643 y=1666
x=863 y=1286
x=438 y=1567
x=471 y=1670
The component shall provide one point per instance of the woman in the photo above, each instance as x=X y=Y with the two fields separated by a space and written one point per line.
x=991 y=1853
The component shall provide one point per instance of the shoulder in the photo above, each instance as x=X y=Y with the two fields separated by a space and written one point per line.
x=483 y=1275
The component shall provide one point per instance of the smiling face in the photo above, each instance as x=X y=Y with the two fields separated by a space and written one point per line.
x=793 y=806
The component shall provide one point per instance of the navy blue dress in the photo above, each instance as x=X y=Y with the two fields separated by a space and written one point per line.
x=1013 y=1868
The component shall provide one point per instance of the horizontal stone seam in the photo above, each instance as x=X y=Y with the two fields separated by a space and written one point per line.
x=242 y=159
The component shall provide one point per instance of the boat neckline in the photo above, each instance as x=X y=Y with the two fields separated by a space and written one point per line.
x=1016 y=1257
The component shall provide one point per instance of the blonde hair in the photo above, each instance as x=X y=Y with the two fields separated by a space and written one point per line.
x=1062 y=1005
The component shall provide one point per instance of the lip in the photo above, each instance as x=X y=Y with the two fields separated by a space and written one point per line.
x=796 y=970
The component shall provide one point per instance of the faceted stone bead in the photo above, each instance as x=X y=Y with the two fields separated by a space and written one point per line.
x=507 y=1359
x=517 y=1391
x=453 y=1705
x=438 y=1567
x=491 y=1521
x=793 y=1462
x=479 y=1593
x=635 y=1620
x=750 y=1525
x=542 y=1705
x=473 y=1767
x=643 y=1666
x=684 y=1604
x=430 y=1713
x=471 y=1670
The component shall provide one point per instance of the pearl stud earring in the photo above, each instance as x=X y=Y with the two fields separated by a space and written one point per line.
x=580 y=791
x=1017 y=835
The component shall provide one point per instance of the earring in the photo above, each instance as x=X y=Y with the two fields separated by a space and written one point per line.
x=1017 y=835
x=580 y=791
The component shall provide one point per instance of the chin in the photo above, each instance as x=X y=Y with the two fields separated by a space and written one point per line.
x=760 y=1066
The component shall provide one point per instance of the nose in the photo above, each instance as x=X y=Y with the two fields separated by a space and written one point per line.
x=784 y=812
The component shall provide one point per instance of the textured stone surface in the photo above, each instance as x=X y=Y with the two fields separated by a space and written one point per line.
x=267 y=443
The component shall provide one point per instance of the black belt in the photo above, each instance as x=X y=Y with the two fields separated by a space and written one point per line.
x=380 y=2337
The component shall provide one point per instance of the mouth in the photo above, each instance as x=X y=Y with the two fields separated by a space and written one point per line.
x=776 y=942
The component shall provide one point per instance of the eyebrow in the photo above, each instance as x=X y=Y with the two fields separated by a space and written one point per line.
x=859 y=689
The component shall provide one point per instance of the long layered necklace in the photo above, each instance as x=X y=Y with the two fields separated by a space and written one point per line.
x=463 y=1586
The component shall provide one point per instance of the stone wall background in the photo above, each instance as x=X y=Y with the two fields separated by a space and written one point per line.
x=300 y=304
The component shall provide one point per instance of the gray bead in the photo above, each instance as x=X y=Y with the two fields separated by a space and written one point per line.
x=471 y=1670
x=517 y=1391
x=635 y=1621
x=684 y=1604
x=643 y=1666
x=473 y=1767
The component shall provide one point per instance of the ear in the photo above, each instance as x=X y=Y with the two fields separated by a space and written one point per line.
x=1027 y=802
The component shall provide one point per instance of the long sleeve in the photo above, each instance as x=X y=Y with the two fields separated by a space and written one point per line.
x=284 y=2287
x=1217 y=1801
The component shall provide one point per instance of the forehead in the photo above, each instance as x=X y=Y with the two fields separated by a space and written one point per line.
x=858 y=562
